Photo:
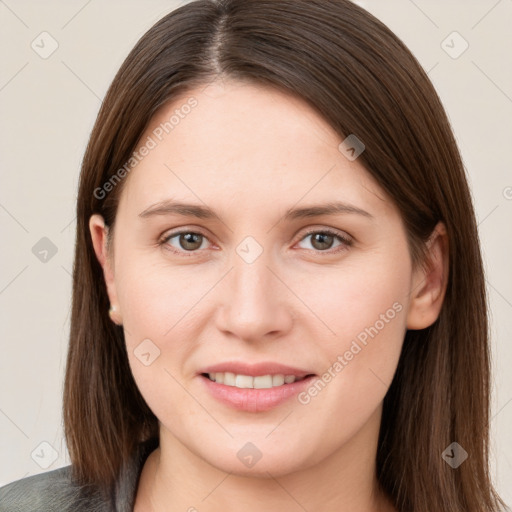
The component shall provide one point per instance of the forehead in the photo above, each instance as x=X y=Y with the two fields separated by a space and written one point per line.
x=248 y=145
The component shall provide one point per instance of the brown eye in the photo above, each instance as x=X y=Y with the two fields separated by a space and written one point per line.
x=322 y=241
x=185 y=240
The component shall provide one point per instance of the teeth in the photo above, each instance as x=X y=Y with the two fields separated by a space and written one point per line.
x=246 y=381
x=277 y=380
x=262 y=382
x=229 y=378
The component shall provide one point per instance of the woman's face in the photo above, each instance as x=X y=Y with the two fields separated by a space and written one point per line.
x=250 y=288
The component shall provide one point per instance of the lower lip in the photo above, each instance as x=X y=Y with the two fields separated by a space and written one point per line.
x=255 y=400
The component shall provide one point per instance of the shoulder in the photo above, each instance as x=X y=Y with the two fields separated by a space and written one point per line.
x=48 y=492
x=57 y=491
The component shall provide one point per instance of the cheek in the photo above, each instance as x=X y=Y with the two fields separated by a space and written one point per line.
x=357 y=377
x=366 y=308
x=156 y=310
x=157 y=299
x=160 y=305
x=368 y=294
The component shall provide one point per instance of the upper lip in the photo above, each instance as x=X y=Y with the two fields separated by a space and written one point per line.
x=255 y=369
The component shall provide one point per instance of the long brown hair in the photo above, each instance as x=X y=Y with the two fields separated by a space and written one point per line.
x=363 y=80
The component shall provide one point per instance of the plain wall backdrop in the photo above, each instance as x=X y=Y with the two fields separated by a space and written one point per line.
x=58 y=59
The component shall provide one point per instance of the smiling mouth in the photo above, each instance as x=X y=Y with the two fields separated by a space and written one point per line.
x=250 y=382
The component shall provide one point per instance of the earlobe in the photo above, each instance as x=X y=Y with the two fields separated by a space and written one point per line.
x=430 y=282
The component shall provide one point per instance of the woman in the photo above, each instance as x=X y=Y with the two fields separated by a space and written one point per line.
x=277 y=276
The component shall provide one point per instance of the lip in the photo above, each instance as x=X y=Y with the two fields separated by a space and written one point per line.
x=255 y=400
x=255 y=370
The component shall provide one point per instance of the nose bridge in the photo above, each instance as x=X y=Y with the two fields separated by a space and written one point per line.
x=253 y=304
x=252 y=281
x=253 y=256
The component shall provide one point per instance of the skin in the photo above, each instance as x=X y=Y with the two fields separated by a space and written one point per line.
x=250 y=153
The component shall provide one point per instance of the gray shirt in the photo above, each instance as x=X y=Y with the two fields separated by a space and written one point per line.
x=55 y=491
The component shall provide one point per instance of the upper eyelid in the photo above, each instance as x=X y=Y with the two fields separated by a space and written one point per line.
x=171 y=234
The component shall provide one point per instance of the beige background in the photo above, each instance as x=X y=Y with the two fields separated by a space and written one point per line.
x=48 y=107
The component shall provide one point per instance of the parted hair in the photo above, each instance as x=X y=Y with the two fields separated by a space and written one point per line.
x=360 y=77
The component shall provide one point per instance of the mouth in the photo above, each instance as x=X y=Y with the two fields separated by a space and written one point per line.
x=254 y=387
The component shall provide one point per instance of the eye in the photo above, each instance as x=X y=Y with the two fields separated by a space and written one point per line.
x=322 y=240
x=186 y=241
x=191 y=241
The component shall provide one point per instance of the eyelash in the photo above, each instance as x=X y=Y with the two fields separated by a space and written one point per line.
x=346 y=242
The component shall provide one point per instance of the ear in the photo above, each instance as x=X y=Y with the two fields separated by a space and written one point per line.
x=430 y=281
x=99 y=233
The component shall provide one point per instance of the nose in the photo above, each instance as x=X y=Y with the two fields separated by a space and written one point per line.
x=256 y=303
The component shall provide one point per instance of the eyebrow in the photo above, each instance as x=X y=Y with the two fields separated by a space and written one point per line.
x=171 y=207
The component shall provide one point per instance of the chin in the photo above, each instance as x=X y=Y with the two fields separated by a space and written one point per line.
x=249 y=461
